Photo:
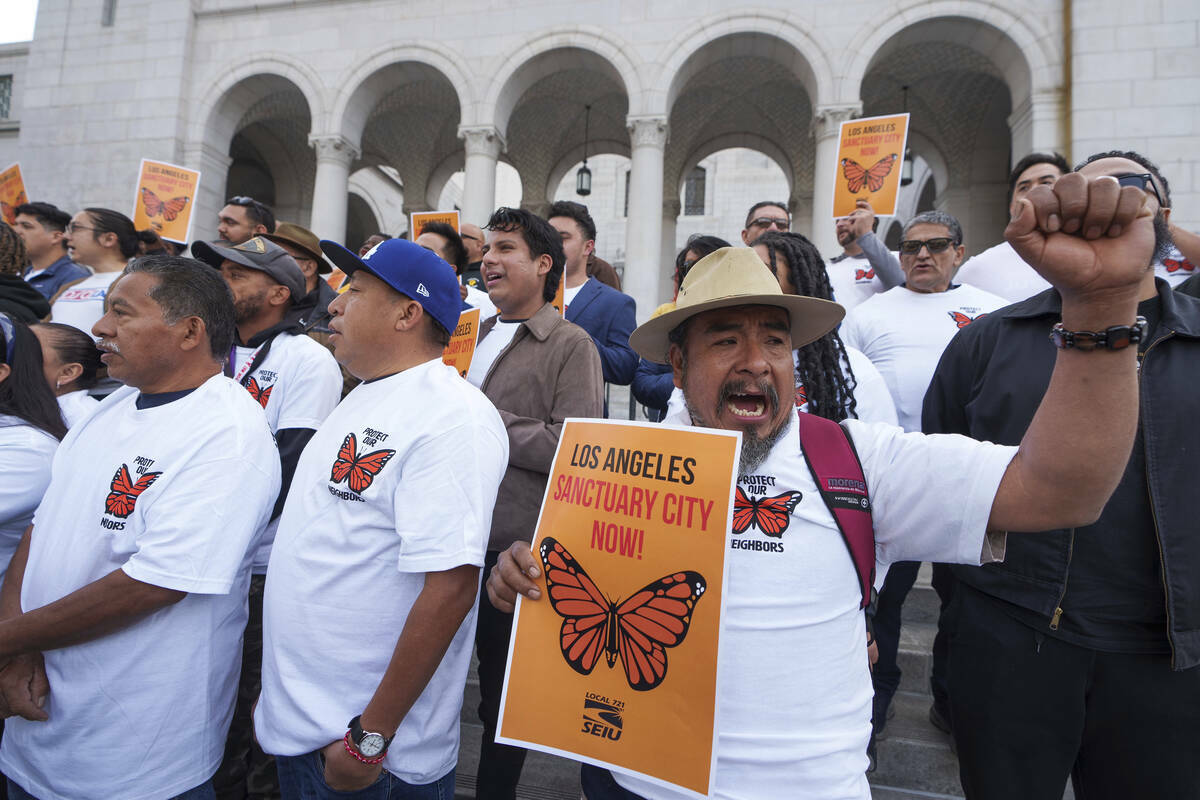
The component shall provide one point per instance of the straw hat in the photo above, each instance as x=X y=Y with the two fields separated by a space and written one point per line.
x=734 y=276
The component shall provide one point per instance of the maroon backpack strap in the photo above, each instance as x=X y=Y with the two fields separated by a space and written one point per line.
x=835 y=467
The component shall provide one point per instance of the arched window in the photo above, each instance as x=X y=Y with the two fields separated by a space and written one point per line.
x=693 y=192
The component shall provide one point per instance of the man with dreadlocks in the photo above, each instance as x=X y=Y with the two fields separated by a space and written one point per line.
x=832 y=380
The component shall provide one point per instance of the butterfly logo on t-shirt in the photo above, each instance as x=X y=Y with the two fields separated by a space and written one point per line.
x=638 y=629
x=1174 y=265
x=358 y=470
x=801 y=396
x=260 y=393
x=124 y=492
x=962 y=320
x=864 y=274
x=771 y=515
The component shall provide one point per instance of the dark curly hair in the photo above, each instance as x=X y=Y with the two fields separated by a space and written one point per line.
x=823 y=368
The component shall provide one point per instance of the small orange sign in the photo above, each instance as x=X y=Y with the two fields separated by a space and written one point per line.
x=420 y=218
x=560 y=297
x=164 y=199
x=461 y=349
x=616 y=664
x=12 y=192
x=869 y=160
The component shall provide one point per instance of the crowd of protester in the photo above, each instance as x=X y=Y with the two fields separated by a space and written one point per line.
x=245 y=502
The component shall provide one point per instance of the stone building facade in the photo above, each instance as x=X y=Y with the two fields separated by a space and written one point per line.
x=360 y=111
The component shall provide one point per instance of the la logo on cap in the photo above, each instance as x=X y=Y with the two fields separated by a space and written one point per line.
x=254 y=245
x=421 y=290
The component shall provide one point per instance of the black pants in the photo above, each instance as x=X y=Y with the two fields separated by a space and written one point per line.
x=499 y=765
x=886 y=674
x=246 y=771
x=1030 y=711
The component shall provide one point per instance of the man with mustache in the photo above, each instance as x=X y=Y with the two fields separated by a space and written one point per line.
x=1081 y=628
x=795 y=698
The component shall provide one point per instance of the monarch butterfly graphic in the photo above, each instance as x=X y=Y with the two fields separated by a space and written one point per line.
x=358 y=471
x=157 y=208
x=259 y=393
x=962 y=320
x=872 y=177
x=771 y=515
x=801 y=396
x=864 y=274
x=10 y=211
x=638 y=629
x=123 y=492
x=1174 y=265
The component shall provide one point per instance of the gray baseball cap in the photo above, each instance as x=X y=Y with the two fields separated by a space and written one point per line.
x=256 y=253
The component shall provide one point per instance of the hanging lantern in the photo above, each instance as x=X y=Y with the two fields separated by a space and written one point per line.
x=583 y=177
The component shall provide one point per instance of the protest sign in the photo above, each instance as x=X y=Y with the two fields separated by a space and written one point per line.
x=420 y=218
x=869 y=161
x=616 y=664
x=12 y=192
x=459 y=351
x=560 y=296
x=164 y=199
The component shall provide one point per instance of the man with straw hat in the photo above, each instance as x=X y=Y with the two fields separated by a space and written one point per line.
x=795 y=694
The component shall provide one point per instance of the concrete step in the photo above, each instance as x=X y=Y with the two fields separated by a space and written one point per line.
x=914 y=755
x=544 y=777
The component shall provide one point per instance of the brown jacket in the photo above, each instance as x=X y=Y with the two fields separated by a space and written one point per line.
x=549 y=371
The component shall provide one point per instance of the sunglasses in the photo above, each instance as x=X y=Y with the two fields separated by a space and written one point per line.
x=766 y=222
x=910 y=247
x=1141 y=181
x=243 y=200
x=10 y=336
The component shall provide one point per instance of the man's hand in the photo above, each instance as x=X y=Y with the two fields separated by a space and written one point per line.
x=344 y=772
x=514 y=573
x=861 y=219
x=1087 y=237
x=24 y=687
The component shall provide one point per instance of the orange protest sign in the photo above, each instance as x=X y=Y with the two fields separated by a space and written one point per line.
x=616 y=665
x=12 y=192
x=869 y=159
x=560 y=297
x=420 y=218
x=164 y=199
x=461 y=348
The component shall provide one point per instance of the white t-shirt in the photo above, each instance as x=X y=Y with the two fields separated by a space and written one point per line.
x=297 y=384
x=569 y=296
x=1173 y=267
x=480 y=300
x=1000 y=271
x=82 y=305
x=25 y=455
x=795 y=694
x=350 y=559
x=904 y=333
x=143 y=712
x=77 y=406
x=488 y=349
x=853 y=281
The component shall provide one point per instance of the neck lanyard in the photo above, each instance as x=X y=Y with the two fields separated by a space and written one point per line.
x=247 y=367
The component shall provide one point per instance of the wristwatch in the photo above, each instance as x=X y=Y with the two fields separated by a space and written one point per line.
x=368 y=743
x=1117 y=337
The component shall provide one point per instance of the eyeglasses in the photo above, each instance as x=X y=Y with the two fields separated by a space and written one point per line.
x=1141 y=181
x=765 y=222
x=910 y=247
x=75 y=228
x=10 y=336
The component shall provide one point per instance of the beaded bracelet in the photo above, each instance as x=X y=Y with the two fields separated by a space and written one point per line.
x=371 y=761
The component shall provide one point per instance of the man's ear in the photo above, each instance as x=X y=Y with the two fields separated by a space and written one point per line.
x=260 y=228
x=195 y=333
x=959 y=252
x=408 y=315
x=107 y=239
x=545 y=262
x=279 y=295
x=589 y=247
x=675 y=358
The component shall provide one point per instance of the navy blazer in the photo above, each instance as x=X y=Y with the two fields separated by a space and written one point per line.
x=608 y=317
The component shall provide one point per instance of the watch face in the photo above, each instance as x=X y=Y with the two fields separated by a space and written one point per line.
x=371 y=745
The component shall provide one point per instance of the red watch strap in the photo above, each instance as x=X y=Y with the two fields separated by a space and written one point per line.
x=350 y=749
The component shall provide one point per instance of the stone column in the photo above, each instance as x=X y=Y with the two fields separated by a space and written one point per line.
x=210 y=198
x=331 y=188
x=666 y=263
x=827 y=123
x=1035 y=126
x=483 y=146
x=643 y=226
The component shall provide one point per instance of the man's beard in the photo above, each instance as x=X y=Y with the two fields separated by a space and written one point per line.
x=1162 y=237
x=248 y=308
x=755 y=448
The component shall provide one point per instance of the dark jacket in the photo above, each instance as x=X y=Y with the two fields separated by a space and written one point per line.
x=57 y=275
x=652 y=386
x=988 y=385
x=21 y=301
x=548 y=372
x=312 y=316
x=609 y=317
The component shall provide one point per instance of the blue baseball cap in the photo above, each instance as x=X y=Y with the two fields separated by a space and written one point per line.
x=410 y=269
